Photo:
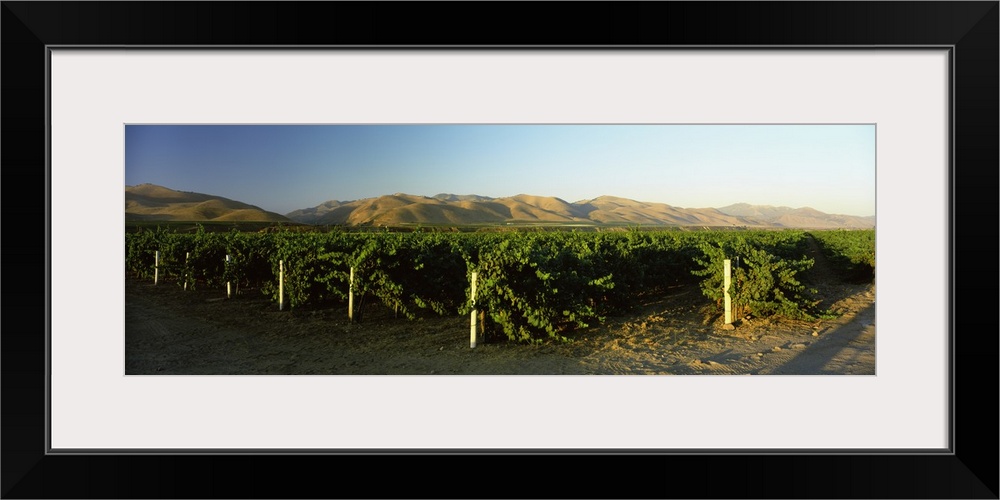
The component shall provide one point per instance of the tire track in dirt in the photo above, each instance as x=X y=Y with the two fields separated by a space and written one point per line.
x=847 y=347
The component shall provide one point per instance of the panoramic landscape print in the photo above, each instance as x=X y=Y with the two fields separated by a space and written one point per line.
x=499 y=250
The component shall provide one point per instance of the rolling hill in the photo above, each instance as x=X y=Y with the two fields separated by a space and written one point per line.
x=149 y=202
x=402 y=209
x=796 y=217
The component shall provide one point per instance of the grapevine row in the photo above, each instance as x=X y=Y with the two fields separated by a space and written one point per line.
x=853 y=252
x=531 y=285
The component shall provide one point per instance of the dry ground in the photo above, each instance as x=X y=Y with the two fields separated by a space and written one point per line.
x=171 y=331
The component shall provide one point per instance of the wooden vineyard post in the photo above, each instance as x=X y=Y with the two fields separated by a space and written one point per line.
x=187 y=255
x=156 y=268
x=281 y=285
x=350 y=297
x=229 y=290
x=726 y=281
x=472 y=327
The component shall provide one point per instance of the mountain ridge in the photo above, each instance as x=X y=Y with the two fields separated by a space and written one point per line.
x=526 y=208
x=152 y=202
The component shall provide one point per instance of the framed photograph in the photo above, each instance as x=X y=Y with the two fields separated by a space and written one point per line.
x=123 y=82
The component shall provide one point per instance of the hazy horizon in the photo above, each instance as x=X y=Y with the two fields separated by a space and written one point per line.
x=282 y=168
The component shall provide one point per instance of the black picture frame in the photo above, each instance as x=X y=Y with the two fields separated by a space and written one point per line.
x=970 y=28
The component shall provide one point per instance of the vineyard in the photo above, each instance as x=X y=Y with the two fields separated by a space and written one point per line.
x=531 y=285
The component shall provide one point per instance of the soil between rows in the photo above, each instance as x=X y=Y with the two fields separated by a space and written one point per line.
x=170 y=331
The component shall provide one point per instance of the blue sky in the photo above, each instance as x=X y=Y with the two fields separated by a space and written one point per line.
x=286 y=167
